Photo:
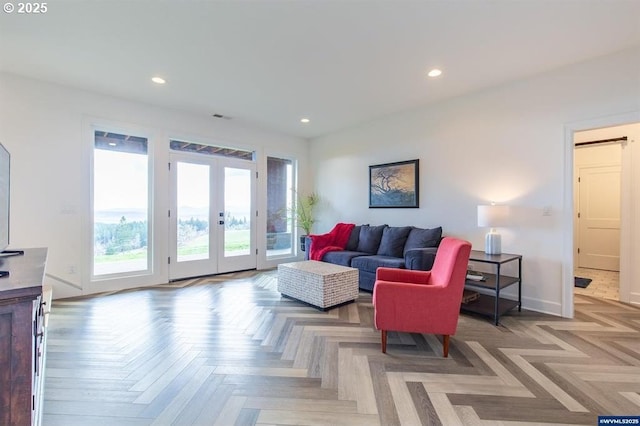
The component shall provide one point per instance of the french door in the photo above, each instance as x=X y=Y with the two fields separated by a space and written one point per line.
x=212 y=215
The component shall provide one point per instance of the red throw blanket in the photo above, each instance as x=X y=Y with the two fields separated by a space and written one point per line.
x=335 y=240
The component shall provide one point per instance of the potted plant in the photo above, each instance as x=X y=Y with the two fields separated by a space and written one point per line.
x=303 y=210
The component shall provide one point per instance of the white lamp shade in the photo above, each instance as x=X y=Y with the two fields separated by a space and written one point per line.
x=493 y=216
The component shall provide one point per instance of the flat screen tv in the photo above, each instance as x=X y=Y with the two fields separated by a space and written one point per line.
x=5 y=174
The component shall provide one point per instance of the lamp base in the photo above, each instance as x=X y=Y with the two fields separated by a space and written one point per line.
x=492 y=243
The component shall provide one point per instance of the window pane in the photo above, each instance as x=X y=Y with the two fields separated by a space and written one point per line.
x=120 y=204
x=237 y=211
x=193 y=211
x=279 y=199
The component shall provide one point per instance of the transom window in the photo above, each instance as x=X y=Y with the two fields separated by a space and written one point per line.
x=220 y=151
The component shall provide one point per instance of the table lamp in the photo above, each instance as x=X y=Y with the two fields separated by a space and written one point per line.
x=493 y=216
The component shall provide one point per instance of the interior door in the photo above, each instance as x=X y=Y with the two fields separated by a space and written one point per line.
x=599 y=217
x=212 y=229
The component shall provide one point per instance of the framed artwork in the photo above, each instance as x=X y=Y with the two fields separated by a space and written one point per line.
x=394 y=185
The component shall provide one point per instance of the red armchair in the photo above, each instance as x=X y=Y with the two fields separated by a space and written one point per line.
x=423 y=301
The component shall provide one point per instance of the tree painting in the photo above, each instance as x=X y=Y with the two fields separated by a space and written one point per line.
x=394 y=184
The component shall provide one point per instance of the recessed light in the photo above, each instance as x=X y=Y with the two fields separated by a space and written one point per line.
x=304 y=120
x=434 y=73
x=158 y=80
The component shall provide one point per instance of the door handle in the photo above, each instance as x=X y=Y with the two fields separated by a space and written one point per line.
x=221 y=222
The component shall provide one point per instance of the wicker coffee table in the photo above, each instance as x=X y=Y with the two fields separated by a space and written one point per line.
x=323 y=285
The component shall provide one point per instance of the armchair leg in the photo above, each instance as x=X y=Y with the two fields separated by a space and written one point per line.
x=445 y=345
x=383 y=335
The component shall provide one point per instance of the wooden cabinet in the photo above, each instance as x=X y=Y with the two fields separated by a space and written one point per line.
x=23 y=311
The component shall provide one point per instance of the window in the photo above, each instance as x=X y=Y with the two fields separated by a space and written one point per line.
x=120 y=204
x=279 y=203
x=192 y=207
x=237 y=211
x=218 y=151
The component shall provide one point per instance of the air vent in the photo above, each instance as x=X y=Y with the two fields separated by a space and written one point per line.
x=221 y=116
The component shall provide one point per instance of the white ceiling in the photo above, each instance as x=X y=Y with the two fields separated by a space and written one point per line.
x=269 y=63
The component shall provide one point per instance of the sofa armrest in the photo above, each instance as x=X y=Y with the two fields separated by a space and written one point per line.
x=420 y=258
x=397 y=275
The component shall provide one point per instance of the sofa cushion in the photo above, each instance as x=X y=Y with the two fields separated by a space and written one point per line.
x=371 y=263
x=352 y=244
x=393 y=240
x=370 y=237
x=421 y=238
x=341 y=257
x=421 y=259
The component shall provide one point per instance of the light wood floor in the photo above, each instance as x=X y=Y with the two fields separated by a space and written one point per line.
x=230 y=351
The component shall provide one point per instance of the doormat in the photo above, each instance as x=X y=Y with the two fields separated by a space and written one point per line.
x=582 y=282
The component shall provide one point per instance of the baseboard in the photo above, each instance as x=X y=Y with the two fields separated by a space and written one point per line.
x=634 y=298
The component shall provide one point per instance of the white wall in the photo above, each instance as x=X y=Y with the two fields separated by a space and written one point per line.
x=47 y=129
x=506 y=144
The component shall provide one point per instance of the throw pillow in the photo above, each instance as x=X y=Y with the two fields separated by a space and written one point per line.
x=421 y=238
x=369 y=239
x=393 y=240
x=352 y=244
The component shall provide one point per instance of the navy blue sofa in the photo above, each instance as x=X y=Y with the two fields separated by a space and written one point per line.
x=370 y=247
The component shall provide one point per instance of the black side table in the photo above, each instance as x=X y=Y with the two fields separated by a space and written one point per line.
x=494 y=305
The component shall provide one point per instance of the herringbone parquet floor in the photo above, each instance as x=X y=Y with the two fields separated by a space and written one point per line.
x=229 y=350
